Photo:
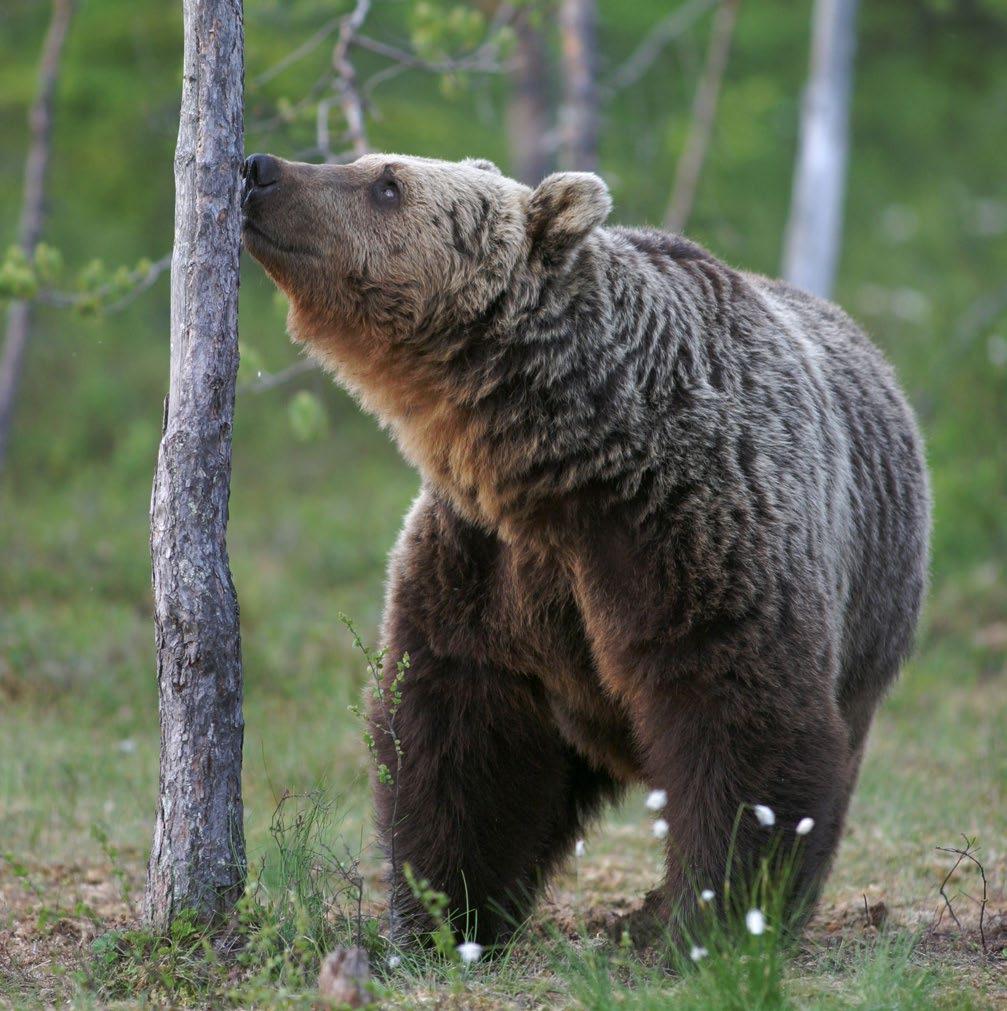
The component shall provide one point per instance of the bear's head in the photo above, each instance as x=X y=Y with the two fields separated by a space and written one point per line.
x=392 y=249
x=394 y=265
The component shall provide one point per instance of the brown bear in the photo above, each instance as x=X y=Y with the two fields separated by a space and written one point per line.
x=672 y=530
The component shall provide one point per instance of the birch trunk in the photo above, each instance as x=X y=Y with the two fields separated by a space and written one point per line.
x=578 y=25
x=197 y=859
x=815 y=226
x=32 y=209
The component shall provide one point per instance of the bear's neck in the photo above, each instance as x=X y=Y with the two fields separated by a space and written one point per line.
x=556 y=392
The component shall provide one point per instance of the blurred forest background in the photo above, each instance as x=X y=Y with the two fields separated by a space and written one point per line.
x=318 y=491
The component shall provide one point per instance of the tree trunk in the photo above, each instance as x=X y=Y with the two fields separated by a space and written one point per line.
x=529 y=119
x=578 y=23
x=815 y=225
x=197 y=859
x=32 y=209
x=704 y=111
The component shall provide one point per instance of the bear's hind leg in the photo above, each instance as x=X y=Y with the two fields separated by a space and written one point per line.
x=714 y=758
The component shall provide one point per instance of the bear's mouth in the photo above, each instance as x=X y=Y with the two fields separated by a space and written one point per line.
x=283 y=247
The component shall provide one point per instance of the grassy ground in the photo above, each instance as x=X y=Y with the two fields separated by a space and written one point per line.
x=78 y=766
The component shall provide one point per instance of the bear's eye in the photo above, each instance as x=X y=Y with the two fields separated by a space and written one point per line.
x=386 y=192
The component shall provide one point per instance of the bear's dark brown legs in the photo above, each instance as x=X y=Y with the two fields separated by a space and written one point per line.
x=488 y=797
x=713 y=757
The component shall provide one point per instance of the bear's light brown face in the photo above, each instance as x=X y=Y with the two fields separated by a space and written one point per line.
x=384 y=243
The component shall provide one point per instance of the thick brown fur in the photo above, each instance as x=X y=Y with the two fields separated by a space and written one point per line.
x=673 y=526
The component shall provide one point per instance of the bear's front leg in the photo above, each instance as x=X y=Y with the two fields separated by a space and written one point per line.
x=487 y=797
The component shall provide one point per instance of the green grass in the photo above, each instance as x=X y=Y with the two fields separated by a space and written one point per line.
x=312 y=522
x=78 y=769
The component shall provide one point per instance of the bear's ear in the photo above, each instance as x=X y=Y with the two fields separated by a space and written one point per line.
x=483 y=163
x=564 y=208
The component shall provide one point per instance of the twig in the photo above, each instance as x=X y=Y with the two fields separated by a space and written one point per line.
x=349 y=94
x=72 y=299
x=704 y=111
x=968 y=853
x=867 y=911
x=649 y=48
x=304 y=49
x=270 y=380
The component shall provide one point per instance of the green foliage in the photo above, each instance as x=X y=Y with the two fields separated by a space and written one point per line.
x=387 y=699
x=308 y=419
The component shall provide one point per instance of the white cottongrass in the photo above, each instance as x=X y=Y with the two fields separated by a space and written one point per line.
x=706 y=895
x=765 y=815
x=394 y=961
x=580 y=849
x=659 y=828
x=804 y=826
x=696 y=953
x=470 y=952
x=656 y=799
x=755 y=921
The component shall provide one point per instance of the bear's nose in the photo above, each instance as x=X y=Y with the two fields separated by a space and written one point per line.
x=260 y=171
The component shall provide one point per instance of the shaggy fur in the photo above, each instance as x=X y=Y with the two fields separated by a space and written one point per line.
x=673 y=525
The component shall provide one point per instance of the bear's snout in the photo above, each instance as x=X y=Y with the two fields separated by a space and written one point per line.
x=260 y=172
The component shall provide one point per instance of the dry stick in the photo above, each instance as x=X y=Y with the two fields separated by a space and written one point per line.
x=578 y=23
x=32 y=209
x=349 y=94
x=967 y=854
x=704 y=111
x=197 y=859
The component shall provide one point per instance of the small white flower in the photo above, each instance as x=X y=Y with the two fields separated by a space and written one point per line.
x=470 y=952
x=656 y=799
x=696 y=953
x=127 y=746
x=804 y=826
x=394 y=961
x=706 y=895
x=659 y=828
x=755 y=921
x=765 y=815
x=580 y=849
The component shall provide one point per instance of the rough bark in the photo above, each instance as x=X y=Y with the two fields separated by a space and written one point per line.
x=578 y=23
x=815 y=224
x=529 y=115
x=704 y=112
x=32 y=209
x=197 y=860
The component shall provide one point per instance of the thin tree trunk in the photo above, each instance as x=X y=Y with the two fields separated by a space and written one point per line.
x=704 y=112
x=197 y=860
x=32 y=209
x=529 y=116
x=578 y=22
x=815 y=226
